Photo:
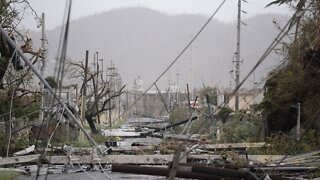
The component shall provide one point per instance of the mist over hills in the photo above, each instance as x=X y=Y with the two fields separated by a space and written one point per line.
x=144 y=42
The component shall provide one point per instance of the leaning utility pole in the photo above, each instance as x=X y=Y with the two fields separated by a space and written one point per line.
x=96 y=88
x=298 y=122
x=238 y=57
x=177 y=89
x=42 y=65
x=84 y=88
x=84 y=92
x=49 y=88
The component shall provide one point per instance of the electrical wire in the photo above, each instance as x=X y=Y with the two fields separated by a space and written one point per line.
x=86 y=172
x=98 y=159
x=35 y=127
x=10 y=118
x=275 y=42
x=16 y=109
x=176 y=59
x=59 y=73
x=11 y=105
x=57 y=125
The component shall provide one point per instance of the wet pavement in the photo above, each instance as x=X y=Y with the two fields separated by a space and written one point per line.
x=80 y=173
x=92 y=175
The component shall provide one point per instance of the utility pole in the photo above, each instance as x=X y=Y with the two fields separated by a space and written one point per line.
x=94 y=62
x=127 y=104
x=84 y=91
x=169 y=90
x=49 y=88
x=97 y=70
x=102 y=73
x=42 y=65
x=191 y=71
x=111 y=89
x=238 y=56
x=96 y=89
x=298 y=122
x=178 y=89
x=119 y=83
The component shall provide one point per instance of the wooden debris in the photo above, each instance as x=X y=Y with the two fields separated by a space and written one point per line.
x=20 y=160
x=175 y=163
x=119 y=159
x=134 y=169
x=232 y=146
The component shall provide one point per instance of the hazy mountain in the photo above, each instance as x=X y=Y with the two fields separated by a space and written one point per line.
x=144 y=42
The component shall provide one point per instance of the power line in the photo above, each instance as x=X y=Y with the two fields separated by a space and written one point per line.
x=279 y=37
x=177 y=58
x=275 y=42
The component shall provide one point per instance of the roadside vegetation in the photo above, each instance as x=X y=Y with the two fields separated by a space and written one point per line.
x=295 y=81
x=8 y=175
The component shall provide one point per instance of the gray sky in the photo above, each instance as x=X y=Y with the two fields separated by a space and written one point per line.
x=81 y=8
x=55 y=9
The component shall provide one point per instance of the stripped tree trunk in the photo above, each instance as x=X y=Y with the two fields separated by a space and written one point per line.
x=4 y=58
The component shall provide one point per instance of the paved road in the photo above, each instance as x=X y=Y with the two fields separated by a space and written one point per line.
x=93 y=175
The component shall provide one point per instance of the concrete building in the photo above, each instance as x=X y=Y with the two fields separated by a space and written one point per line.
x=246 y=98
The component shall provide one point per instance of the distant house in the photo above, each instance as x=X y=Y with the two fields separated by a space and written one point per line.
x=246 y=98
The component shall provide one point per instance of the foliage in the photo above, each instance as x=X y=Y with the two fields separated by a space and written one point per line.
x=22 y=106
x=224 y=114
x=209 y=95
x=8 y=175
x=279 y=144
x=17 y=143
x=100 y=139
x=14 y=80
x=199 y=126
x=8 y=14
x=237 y=132
x=166 y=147
x=52 y=82
x=78 y=143
x=202 y=125
x=31 y=111
x=178 y=114
x=116 y=124
x=241 y=127
x=297 y=80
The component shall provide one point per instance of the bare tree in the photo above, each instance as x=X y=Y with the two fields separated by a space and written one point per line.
x=98 y=99
x=10 y=18
x=17 y=98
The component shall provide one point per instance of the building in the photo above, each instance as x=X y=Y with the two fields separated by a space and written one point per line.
x=246 y=98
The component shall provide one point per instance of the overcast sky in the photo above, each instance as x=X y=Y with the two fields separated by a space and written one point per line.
x=54 y=9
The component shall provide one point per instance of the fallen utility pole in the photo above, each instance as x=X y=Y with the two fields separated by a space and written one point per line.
x=27 y=62
x=20 y=160
x=173 y=125
x=175 y=163
x=134 y=169
x=162 y=99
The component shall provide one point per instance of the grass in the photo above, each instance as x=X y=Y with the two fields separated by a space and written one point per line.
x=8 y=175
x=116 y=124
x=80 y=143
